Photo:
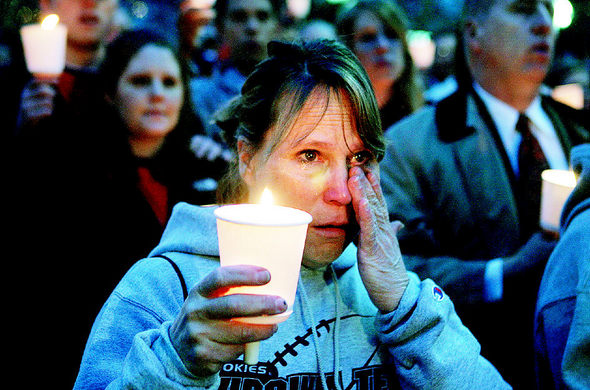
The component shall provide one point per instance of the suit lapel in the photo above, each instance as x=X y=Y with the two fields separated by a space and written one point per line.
x=567 y=124
x=484 y=169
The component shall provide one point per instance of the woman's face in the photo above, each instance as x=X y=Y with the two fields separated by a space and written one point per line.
x=309 y=170
x=378 y=47
x=150 y=93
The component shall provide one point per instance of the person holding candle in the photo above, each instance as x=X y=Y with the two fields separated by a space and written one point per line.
x=88 y=24
x=125 y=161
x=562 y=326
x=54 y=172
x=376 y=32
x=306 y=126
x=465 y=176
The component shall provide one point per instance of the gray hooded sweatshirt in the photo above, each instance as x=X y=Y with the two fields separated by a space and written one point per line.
x=562 y=318
x=422 y=344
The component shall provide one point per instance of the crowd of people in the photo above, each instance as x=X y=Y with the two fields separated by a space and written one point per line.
x=425 y=261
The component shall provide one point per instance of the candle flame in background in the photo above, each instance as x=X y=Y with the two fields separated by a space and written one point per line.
x=570 y=94
x=49 y=22
x=266 y=197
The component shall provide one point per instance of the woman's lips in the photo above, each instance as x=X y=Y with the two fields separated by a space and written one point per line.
x=155 y=114
x=330 y=231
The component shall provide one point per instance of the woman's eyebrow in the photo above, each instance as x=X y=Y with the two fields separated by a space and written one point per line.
x=312 y=143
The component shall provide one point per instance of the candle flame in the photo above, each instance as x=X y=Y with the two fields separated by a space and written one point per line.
x=49 y=22
x=266 y=197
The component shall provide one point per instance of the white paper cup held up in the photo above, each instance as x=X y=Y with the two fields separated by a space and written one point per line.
x=268 y=236
x=44 y=46
x=556 y=187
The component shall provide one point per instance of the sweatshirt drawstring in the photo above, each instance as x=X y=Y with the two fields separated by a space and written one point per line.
x=316 y=342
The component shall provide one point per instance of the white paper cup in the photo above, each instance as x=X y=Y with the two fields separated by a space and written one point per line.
x=45 y=49
x=268 y=236
x=556 y=187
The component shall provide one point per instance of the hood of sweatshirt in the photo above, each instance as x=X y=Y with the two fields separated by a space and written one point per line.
x=579 y=199
x=189 y=231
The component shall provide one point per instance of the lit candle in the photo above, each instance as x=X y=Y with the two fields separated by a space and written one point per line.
x=299 y=8
x=570 y=94
x=268 y=236
x=422 y=48
x=556 y=187
x=44 y=47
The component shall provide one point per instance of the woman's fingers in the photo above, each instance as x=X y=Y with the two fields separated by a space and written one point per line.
x=242 y=305
x=220 y=280
x=379 y=258
x=232 y=276
x=237 y=333
x=368 y=201
x=373 y=177
x=37 y=101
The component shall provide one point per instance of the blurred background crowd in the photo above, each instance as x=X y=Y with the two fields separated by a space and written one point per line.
x=431 y=28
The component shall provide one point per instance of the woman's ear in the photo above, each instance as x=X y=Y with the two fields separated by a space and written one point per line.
x=245 y=163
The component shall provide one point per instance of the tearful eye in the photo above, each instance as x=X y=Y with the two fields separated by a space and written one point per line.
x=309 y=155
x=362 y=157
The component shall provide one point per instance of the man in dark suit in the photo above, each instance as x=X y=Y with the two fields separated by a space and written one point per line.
x=461 y=177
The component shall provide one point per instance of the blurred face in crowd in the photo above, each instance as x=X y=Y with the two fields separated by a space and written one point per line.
x=378 y=47
x=515 y=40
x=150 y=93
x=88 y=21
x=247 y=28
x=312 y=160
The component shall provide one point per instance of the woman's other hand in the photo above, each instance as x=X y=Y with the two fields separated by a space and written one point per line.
x=379 y=258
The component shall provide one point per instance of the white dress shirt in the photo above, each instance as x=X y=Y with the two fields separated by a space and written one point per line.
x=505 y=118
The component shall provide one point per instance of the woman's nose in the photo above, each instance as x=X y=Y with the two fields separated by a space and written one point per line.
x=337 y=191
x=157 y=89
